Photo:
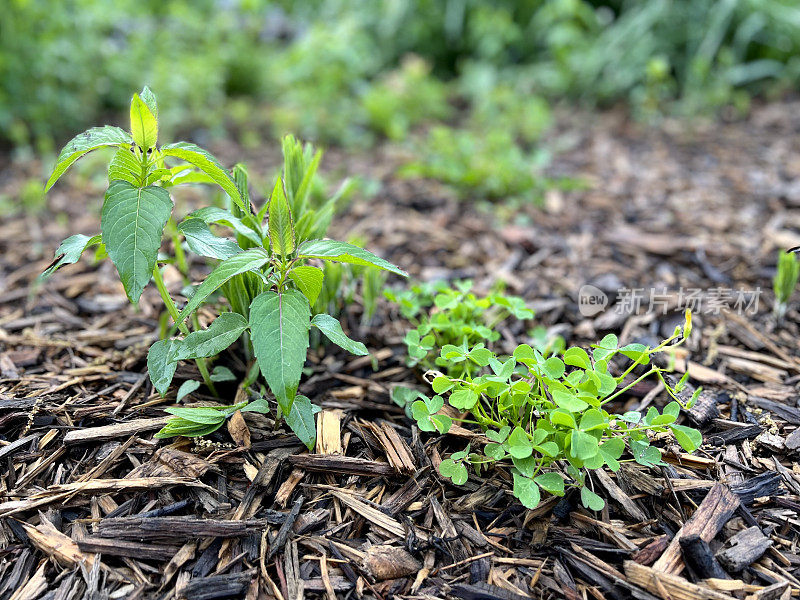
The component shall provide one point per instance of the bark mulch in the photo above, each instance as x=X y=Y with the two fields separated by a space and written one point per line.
x=92 y=506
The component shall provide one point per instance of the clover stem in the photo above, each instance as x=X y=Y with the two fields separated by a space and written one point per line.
x=630 y=385
x=173 y=312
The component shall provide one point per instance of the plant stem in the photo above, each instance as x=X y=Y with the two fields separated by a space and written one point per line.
x=173 y=312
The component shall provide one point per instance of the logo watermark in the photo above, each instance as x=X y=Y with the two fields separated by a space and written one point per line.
x=712 y=301
x=591 y=300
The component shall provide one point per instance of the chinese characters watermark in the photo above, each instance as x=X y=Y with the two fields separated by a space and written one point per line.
x=712 y=301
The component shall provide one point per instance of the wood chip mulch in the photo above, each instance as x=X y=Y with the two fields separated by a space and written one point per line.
x=92 y=506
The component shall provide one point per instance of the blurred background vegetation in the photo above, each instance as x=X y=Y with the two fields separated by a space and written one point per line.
x=475 y=81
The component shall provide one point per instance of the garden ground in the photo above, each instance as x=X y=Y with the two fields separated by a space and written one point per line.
x=679 y=209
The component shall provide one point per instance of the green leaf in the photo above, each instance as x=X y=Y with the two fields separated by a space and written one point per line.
x=281 y=229
x=205 y=415
x=279 y=324
x=69 y=252
x=221 y=373
x=308 y=280
x=442 y=384
x=402 y=395
x=442 y=423
x=550 y=449
x=249 y=260
x=593 y=419
x=150 y=100
x=563 y=418
x=494 y=450
x=222 y=332
x=519 y=445
x=554 y=367
x=551 y=482
x=577 y=357
x=526 y=490
x=125 y=166
x=161 y=365
x=346 y=253
x=214 y=214
x=91 y=139
x=498 y=436
x=203 y=242
x=611 y=450
x=690 y=439
x=178 y=426
x=187 y=387
x=645 y=454
x=583 y=446
x=333 y=331
x=301 y=420
x=144 y=125
x=132 y=223
x=568 y=401
x=460 y=475
x=209 y=165
x=591 y=500
x=463 y=399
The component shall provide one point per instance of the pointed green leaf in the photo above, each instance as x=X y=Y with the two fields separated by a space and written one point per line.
x=69 y=252
x=206 y=162
x=279 y=325
x=132 y=222
x=308 y=280
x=301 y=420
x=149 y=99
x=346 y=253
x=214 y=214
x=205 y=415
x=281 y=229
x=91 y=139
x=144 y=126
x=249 y=260
x=126 y=167
x=202 y=241
x=161 y=365
x=222 y=332
x=333 y=331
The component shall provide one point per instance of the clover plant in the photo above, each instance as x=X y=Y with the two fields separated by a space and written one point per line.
x=548 y=419
x=453 y=319
x=274 y=287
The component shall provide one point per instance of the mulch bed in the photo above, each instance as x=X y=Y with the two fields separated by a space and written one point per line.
x=92 y=506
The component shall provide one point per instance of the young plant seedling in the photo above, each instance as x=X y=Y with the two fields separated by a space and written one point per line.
x=453 y=320
x=785 y=281
x=547 y=418
x=272 y=251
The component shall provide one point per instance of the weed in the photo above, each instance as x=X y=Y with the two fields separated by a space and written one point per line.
x=452 y=317
x=541 y=415
x=273 y=249
x=785 y=281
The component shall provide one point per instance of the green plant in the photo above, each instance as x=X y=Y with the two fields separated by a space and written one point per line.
x=452 y=319
x=785 y=281
x=136 y=210
x=405 y=97
x=487 y=165
x=549 y=417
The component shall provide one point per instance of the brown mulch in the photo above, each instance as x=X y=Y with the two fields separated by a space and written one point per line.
x=92 y=506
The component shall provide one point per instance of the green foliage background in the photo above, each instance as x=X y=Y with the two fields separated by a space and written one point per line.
x=319 y=68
